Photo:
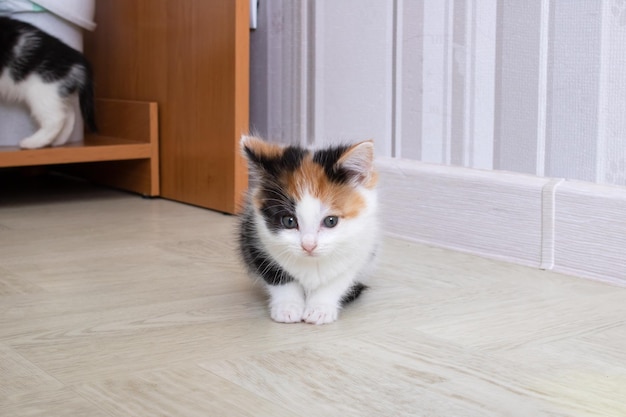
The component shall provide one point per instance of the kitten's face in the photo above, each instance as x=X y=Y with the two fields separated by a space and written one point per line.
x=311 y=205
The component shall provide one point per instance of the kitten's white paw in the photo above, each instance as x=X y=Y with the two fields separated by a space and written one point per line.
x=320 y=314
x=33 y=143
x=287 y=312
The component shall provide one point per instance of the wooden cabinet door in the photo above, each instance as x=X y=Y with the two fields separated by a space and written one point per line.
x=192 y=58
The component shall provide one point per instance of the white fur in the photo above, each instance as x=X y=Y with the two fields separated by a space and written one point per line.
x=287 y=302
x=324 y=274
x=54 y=114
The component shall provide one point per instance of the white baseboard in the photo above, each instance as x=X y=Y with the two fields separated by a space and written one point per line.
x=572 y=227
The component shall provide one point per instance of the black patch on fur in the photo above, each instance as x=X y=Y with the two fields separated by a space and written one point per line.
x=275 y=205
x=353 y=293
x=288 y=161
x=255 y=258
x=275 y=202
x=328 y=159
x=50 y=58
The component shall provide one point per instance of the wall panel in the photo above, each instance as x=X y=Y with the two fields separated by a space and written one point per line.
x=353 y=71
x=573 y=89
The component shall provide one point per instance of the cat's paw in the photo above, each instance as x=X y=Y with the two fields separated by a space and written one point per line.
x=287 y=312
x=32 y=142
x=320 y=314
x=36 y=141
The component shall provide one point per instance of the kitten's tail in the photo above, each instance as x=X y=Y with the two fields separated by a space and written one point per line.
x=86 y=98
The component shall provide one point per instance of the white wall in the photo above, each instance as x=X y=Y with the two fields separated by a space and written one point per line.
x=531 y=87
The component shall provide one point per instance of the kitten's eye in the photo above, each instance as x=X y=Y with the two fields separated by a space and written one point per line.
x=331 y=221
x=289 y=222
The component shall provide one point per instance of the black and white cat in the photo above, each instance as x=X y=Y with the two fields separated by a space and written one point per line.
x=309 y=229
x=42 y=72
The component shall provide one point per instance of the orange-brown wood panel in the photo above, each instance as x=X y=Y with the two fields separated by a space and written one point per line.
x=191 y=57
x=93 y=148
x=132 y=175
x=125 y=126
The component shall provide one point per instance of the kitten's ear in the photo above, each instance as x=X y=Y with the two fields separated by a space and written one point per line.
x=261 y=155
x=358 y=160
x=255 y=149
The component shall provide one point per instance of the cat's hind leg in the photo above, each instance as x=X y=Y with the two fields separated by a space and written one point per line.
x=286 y=302
x=68 y=127
x=50 y=111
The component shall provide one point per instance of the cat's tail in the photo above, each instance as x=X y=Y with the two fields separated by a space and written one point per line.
x=86 y=98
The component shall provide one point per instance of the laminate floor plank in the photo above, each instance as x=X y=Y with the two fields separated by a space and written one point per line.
x=184 y=391
x=391 y=373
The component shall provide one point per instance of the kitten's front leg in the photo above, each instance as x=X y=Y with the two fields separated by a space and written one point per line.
x=323 y=304
x=286 y=302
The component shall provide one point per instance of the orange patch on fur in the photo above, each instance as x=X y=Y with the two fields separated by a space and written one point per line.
x=343 y=199
x=346 y=202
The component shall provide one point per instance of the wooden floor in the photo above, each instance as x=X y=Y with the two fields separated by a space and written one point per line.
x=114 y=305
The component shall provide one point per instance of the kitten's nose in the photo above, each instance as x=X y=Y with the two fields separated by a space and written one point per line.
x=308 y=243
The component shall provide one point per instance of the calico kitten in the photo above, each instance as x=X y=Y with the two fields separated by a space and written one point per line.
x=309 y=229
x=42 y=72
